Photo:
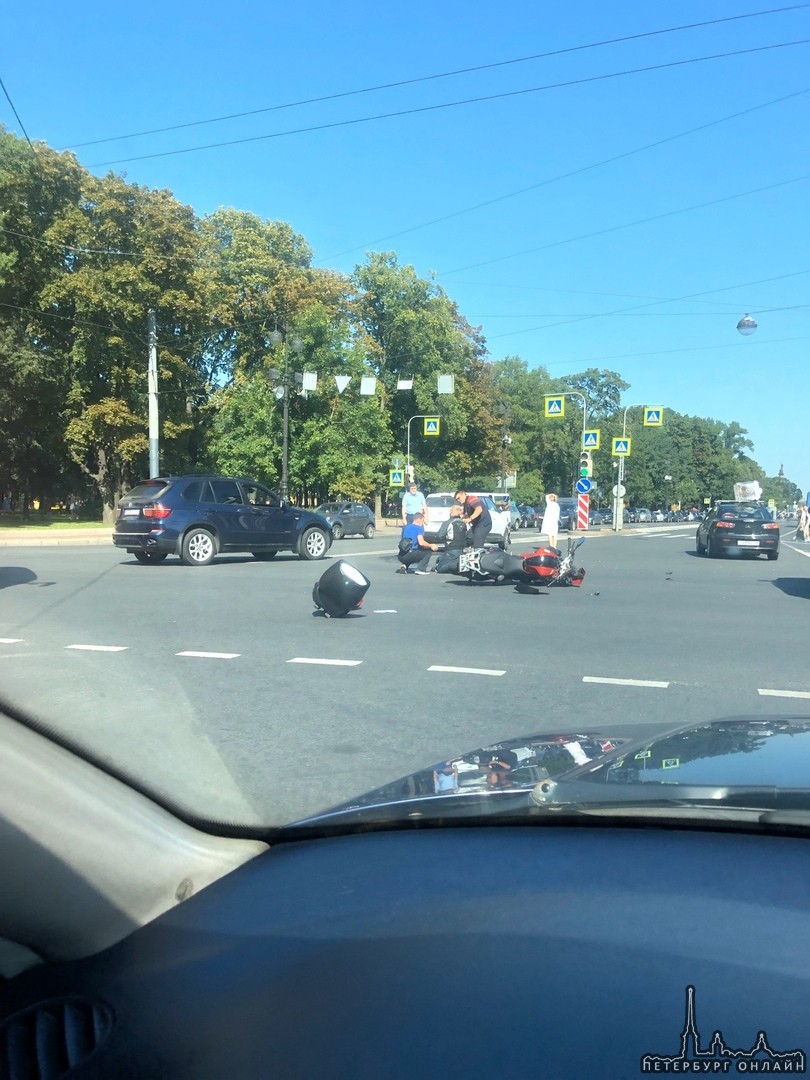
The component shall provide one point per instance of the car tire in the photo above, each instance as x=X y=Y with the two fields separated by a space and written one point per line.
x=711 y=550
x=506 y=542
x=699 y=548
x=264 y=556
x=147 y=557
x=199 y=547
x=313 y=544
x=368 y=532
x=772 y=556
x=337 y=532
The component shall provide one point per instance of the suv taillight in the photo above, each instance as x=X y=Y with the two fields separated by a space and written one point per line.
x=157 y=511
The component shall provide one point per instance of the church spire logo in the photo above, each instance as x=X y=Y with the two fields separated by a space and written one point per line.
x=719 y=1058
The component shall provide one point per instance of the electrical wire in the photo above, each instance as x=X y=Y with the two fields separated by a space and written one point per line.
x=566 y=175
x=626 y=225
x=450 y=104
x=435 y=76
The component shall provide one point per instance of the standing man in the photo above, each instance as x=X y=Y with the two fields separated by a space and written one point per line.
x=413 y=503
x=476 y=515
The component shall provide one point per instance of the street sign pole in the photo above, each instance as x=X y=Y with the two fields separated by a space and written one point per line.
x=419 y=416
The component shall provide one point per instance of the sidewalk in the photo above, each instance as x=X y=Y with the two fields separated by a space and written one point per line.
x=53 y=534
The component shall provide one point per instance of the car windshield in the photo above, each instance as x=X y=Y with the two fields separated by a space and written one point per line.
x=261 y=266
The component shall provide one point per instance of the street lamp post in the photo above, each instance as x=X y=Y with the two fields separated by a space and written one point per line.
x=283 y=392
x=505 y=413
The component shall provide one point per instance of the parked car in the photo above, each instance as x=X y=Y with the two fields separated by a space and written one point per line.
x=349 y=519
x=527 y=515
x=644 y=515
x=438 y=508
x=197 y=517
x=735 y=526
x=510 y=507
x=659 y=515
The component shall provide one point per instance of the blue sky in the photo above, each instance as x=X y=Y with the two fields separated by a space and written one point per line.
x=548 y=215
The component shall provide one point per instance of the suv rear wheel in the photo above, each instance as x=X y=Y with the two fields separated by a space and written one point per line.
x=199 y=548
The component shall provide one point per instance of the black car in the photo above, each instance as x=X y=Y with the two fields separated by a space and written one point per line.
x=348 y=518
x=196 y=517
x=735 y=526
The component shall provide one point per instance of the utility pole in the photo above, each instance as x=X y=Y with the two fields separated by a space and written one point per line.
x=154 y=423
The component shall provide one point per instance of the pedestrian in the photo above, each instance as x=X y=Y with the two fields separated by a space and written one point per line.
x=455 y=537
x=445 y=777
x=476 y=515
x=802 y=523
x=551 y=519
x=413 y=503
x=414 y=549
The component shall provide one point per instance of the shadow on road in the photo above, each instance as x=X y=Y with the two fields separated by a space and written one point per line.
x=794 y=586
x=16 y=575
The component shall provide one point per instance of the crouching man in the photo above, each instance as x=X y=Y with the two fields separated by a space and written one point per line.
x=414 y=550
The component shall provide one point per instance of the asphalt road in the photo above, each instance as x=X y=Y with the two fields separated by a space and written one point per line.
x=265 y=727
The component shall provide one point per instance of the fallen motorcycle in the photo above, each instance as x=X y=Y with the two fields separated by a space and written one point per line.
x=544 y=566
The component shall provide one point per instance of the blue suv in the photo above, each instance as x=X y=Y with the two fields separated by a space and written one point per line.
x=196 y=517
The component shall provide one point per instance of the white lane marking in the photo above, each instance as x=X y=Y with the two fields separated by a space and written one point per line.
x=99 y=648
x=799 y=551
x=625 y=682
x=466 y=670
x=385 y=611
x=11 y=640
x=210 y=655
x=784 y=693
x=324 y=660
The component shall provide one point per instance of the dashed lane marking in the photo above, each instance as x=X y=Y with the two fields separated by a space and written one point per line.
x=466 y=670
x=99 y=648
x=625 y=682
x=210 y=655
x=324 y=660
x=784 y=693
x=11 y=640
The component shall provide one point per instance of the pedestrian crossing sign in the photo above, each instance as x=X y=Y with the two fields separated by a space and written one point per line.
x=653 y=416
x=431 y=426
x=590 y=439
x=396 y=478
x=621 y=448
x=555 y=406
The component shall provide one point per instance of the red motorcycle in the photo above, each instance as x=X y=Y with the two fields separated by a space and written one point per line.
x=544 y=566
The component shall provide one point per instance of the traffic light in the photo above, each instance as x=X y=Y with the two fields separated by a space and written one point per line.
x=585 y=463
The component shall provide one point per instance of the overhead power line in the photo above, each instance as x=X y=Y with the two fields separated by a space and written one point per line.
x=431 y=78
x=564 y=176
x=451 y=104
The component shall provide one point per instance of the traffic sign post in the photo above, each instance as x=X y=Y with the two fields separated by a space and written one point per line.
x=653 y=416
x=621 y=447
x=555 y=406
x=396 y=478
x=583 y=507
x=591 y=439
x=431 y=425
x=583 y=486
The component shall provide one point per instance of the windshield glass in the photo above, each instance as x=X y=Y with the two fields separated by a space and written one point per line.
x=555 y=256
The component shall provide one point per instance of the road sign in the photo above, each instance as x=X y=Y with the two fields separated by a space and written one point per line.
x=653 y=416
x=583 y=504
x=555 y=406
x=619 y=491
x=431 y=425
x=621 y=448
x=583 y=486
x=397 y=462
x=396 y=478
x=590 y=439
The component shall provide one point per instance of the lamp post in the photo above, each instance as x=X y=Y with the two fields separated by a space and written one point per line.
x=283 y=393
x=505 y=413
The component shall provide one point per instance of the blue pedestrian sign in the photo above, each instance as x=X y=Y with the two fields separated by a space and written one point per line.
x=397 y=478
x=590 y=439
x=555 y=406
x=621 y=448
x=653 y=416
x=431 y=425
x=583 y=486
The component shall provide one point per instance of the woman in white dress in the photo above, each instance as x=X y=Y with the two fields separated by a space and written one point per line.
x=551 y=519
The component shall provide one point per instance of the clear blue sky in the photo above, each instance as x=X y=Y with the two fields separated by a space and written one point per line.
x=656 y=300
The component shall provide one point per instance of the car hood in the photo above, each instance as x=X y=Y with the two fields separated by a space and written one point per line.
x=749 y=762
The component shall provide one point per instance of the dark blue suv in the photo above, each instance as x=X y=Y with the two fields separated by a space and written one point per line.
x=196 y=517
